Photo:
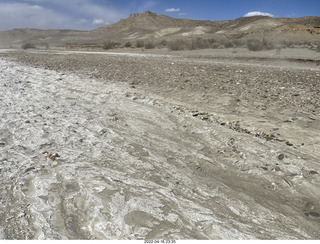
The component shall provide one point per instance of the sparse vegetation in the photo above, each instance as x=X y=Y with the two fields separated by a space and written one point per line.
x=254 y=45
x=109 y=44
x=162 y=43
x=44 y=45
x=178 y=44
x=139 y=43
x=286 y=44
x=27 y=46
x=149 y=45
x=128 y=44
x=228 y=44
x=203 y=43
x=258 y=45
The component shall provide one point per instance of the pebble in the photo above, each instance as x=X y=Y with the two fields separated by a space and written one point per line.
x=28 y=169
x=281 y=156
x=313 y=214
x=289 y=144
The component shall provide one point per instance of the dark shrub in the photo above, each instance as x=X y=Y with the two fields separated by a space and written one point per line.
x=149 y=45
x=139 y=44
x=162 y=43
x=254 y=45
x=128 y=44
x=109 y=44
x=228 y=44
x=27 y=46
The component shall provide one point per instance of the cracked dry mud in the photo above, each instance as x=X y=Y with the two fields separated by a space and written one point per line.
x=147 y=160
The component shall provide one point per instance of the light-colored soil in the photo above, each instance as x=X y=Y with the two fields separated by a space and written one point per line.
x=164 y=145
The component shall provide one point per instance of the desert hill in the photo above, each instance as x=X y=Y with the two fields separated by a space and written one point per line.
x=16 y=37
x=150 y=26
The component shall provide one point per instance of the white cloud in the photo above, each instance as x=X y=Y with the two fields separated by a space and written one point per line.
x=255 y=13
x=98 y=22
x=57 y=14
x=21 y=15
x=182 y=14
x=172 y=9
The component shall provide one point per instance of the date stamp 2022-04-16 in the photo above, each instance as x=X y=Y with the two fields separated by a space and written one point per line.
x=160 y=241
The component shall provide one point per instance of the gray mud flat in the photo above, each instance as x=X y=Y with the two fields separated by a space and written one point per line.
x=141 y=167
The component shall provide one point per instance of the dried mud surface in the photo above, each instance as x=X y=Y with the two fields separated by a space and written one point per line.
x=158 y=146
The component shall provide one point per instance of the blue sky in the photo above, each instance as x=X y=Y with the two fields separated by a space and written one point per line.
x=91 y=14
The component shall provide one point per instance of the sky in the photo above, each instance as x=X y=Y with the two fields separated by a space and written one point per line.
x=91 y=14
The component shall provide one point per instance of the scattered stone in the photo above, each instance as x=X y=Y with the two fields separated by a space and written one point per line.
x=51 y=156
x=281 y=156
x=289 y=144
x=288 y=181
x=27 y=122
x=195 y=114
x=131 y=82
x=227 y=155
x=313 y=172
x=231 y=141
x=277 y=168
x=314 y=214
x=2 y=144
x=205 y=117
x=309 y=206
x=29 y=169
x=103 y=131
x=264 y=168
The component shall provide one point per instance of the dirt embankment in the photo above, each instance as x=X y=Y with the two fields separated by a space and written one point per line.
x=168 y=147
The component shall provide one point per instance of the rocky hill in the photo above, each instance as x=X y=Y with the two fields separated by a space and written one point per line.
x=150 y=26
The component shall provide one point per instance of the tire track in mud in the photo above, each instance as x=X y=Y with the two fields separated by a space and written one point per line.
x=132 y=168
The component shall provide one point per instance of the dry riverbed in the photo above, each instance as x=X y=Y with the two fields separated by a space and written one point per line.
x=158 y=146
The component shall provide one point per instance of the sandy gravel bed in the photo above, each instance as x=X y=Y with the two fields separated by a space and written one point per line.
x=158 y=147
